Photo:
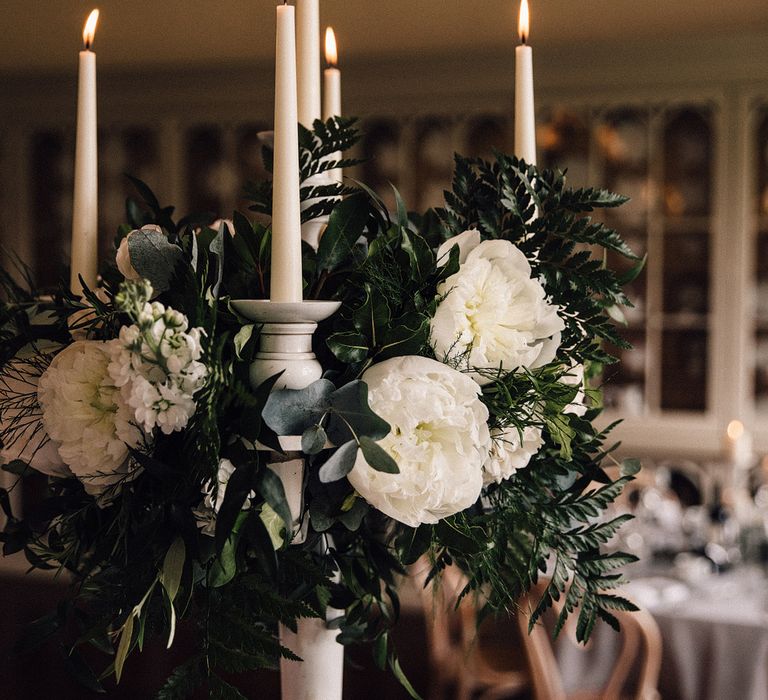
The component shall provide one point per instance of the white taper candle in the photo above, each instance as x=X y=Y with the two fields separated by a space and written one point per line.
x=332 y=92
x=308 y=47
x=286 y=284
x=85 y=207
x=525 y=119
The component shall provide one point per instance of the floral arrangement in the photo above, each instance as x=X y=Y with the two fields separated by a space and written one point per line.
x=455 y=419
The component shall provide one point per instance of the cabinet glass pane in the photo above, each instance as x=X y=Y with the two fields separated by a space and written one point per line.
x=686 y=274
x=484 y=134
x=380 y=153
x=205 y=157
x=684 y=370
x=432 y=162
x=250 y=162
x=563 y=141
x=761 y=264
x=624 y=382
x=687 y=163
x=51 y=214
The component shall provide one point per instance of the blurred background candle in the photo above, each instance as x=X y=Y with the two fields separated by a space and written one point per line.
x=525 y=119
x=738 y=445
x=308 y=47
x=286 y=285
x=332 y=91
x=85 y=210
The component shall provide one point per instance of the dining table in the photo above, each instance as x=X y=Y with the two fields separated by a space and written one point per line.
x=714 y=630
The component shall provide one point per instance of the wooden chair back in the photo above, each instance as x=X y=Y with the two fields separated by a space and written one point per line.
x=640 y=639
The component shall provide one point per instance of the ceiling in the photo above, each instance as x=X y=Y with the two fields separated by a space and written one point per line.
x=44 y=35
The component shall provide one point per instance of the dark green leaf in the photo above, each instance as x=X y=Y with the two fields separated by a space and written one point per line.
x=238 y=488
x=270 y=487
x=414 y=542
x=376 y=457
x=340 y=463
x=345 y=226
x=81 y=671
x=348 y=347
x=18 y=467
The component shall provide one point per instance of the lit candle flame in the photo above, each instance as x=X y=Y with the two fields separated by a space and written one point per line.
x=90 y=29
x=735 y=429
x=523 y=23
x=331 y=54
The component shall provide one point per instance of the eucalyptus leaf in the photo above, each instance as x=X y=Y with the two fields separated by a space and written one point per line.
x=376 y=456
x=340 y=463
x=292 y=411
x=351 y=415
x=630 y=467
x=154 y=257
x=353 y=517
x=313 y=439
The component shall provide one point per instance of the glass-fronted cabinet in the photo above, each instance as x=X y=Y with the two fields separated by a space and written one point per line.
x=661 y=157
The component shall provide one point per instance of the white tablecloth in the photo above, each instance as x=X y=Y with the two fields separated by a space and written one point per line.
x=715 y=637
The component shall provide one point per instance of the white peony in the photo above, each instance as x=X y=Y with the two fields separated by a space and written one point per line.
x=491 y=313
x=85 y=414
x=508 y=453
x=123 y=256
x=439 y=439
x=21 y=422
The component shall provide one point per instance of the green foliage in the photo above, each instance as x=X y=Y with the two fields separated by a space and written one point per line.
x=142 y=561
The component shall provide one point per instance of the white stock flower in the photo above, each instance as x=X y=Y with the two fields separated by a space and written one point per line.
x=508 y=453
x=439 y=439
x=492 y=314
x=575 y=377
x=123 y=256
x=85 y=414
x=156 y=364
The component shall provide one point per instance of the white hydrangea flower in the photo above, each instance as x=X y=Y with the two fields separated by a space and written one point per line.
x=156 y=364
x=213 y=498
x=123 y=256
x=491 y=312
x=84 y=412
x=508 y=453
x=439 y=439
